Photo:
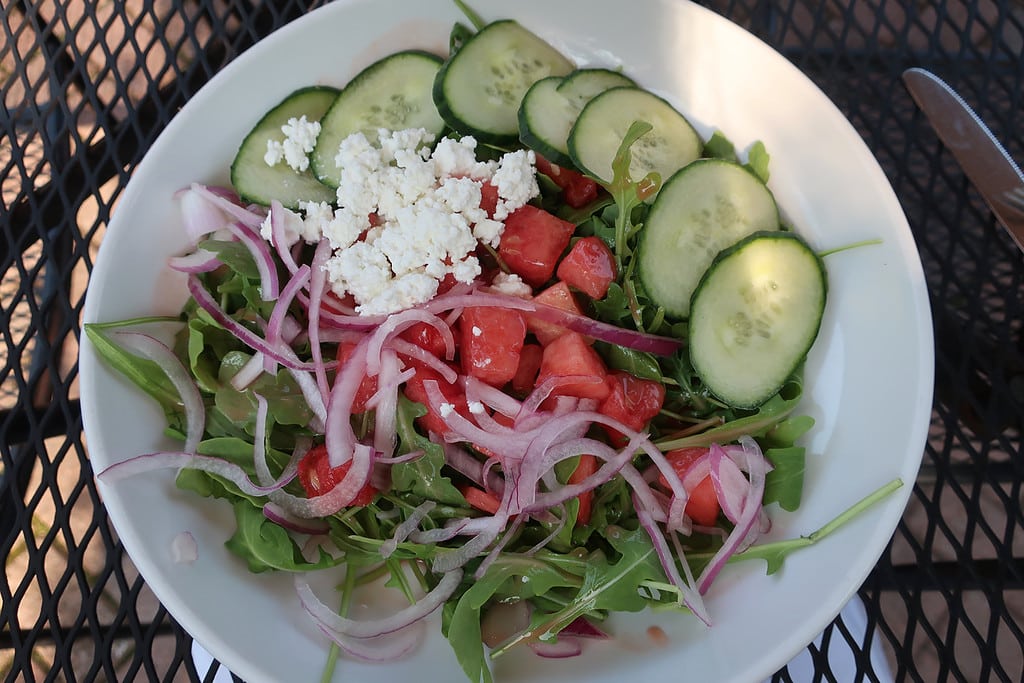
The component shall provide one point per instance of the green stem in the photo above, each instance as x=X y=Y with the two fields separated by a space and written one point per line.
x=474 y=18
x=346 y=602
x=845 y=247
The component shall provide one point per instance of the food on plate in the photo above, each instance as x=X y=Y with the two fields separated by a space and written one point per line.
x=428 y=343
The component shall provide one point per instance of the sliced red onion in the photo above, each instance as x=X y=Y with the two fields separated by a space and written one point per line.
x=184 y=549
x=730 y=484
x=259 y=452
x=746 y=528
x=691 y=596
x=278 y=515
x=510 y=533
x=385 y=417
x=225 y=203
x=200 y=216
x=408 y=526
x=341 y=495
x=563 y=648
x=464 y=463
x=283 y=355
x=162 y=460
x=317 y=285
x=388 y=648
x=158 y=352
x=491 y=397
x=425 y=357
x=277 y=236
x=395 y=325
x=339 y=437
x=445 y=533
x=248 y=373
x=199 y=261
x=581 y=627
x=399 y=459
x=667 y=560
x=310 y=391
x=487 y=529
x=270 y=286
x=328 y=618
x=275 y=325
x=540 y=393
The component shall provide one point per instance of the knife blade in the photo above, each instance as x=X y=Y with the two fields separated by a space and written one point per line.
x=983 y=159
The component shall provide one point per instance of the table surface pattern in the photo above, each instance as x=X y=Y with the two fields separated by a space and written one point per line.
x=87 y=87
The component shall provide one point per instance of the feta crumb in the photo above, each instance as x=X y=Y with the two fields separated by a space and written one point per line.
x=516 y=180
x=299 y=139
x=291 y=222
x=512 y=285
x=476 y=331
x=407 y=216
x=446 y=409
x=476 y=407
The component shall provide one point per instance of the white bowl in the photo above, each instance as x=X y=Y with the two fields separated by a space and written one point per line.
x=869 y=376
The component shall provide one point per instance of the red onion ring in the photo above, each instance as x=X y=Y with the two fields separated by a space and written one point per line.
x=328 y=618
x=158 y=352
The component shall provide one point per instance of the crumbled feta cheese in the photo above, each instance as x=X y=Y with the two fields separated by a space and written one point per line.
x=407 y=216
x=489 y=231
x=476 y=407
x=476 y=331
x=446 y=409
x=457 y=158
x=512 y=285
x=516 y=180
x=299 y=139
x=292 y=223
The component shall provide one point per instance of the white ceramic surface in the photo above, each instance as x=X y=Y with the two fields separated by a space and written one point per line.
x=869 y=375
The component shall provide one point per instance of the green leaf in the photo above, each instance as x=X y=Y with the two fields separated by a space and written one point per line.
x=266 y=546
x=285 y=402
x=525 y=576
x=460 y=33
x=775 y=553
x=142 y=372
x=757 y=161
x=614 y=307
x=234 y=255
x=720 y=147
x=785 y=483
x=606 y=586
x=639 y=363
x=470 y=14
x=421 y=476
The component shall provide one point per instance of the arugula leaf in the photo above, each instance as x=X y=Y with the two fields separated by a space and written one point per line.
x=627 y=193
x=143 y=372
x=720 y=147
x=640 y=363
x=606 y=586
x=421 y=476
x=757 y=161
x=524 y=576
x=234 y=255
x=785 y=483
x=265 y=545
x=774 y=553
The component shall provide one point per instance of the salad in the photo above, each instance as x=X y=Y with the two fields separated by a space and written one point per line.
x=504 y=333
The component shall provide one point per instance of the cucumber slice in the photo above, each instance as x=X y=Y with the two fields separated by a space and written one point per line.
x=595 y=138
x=257 y=182
x=705 y=207
x=393 y=93
x=479 y=89
x=754 y=316
x=552 y=105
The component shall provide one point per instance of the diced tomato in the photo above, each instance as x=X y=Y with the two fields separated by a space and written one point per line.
x=446 y=283
x=632 y=401
x=586 y=467
x=570 y=356
x=488 y=198
x=529 y=365
x=480 y=499
x=416 y=391
x=490 y=340
x=367 y=387
x=702 y=506
x=425 y=336
x=589 y=267
x=558 y=296
x=577 y=189
x=318 y=477
x=532 y=243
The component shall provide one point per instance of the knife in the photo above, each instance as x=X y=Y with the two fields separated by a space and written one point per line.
x=983 y=159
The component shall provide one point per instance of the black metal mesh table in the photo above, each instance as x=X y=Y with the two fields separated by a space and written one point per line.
x=88 y=86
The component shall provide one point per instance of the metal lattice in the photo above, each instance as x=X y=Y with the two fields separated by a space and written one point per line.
x=86 y=89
